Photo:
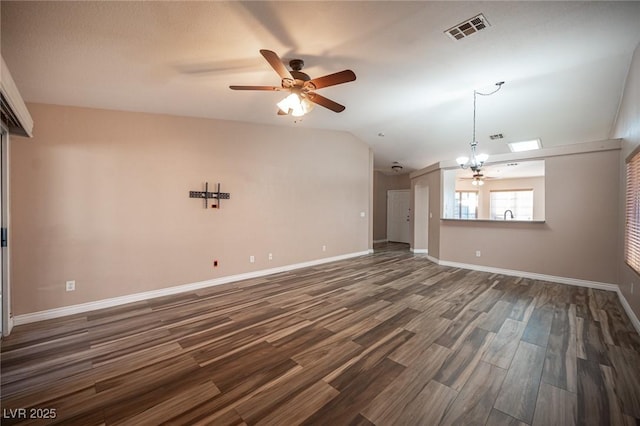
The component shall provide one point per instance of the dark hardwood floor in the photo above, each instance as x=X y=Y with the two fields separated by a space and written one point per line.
x=384 y=339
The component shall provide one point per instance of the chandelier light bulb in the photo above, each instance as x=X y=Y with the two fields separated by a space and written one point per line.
x=462 y=160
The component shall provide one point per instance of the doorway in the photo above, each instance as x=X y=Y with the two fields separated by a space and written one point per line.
x=399 y=216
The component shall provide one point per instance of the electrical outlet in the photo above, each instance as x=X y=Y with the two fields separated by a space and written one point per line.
x=70 y=286
x=215 y=263
x=477 y=253
x=270 y=256
x=324 y=248
x=252 y=259
x=362 y=214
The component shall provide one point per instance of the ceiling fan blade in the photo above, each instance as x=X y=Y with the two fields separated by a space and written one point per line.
x=332 y=79
x=276 y=64
x=325 y=102
x=270 y=88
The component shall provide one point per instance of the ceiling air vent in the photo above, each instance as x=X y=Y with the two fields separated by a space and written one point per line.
x=496 y=136
x=468 y=27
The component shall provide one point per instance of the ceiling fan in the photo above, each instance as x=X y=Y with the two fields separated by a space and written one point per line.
x=301 y=87
x=478 y=178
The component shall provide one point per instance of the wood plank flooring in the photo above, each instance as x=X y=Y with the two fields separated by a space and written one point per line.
x=383 y=339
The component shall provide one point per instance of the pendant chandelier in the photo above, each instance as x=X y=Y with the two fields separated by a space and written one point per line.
x=475 y=161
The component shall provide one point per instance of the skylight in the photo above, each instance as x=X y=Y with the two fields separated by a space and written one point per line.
x=525 y=145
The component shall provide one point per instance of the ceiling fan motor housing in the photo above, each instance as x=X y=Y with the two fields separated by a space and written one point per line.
x=299 y=75
x=296 y=64
x=296 y=67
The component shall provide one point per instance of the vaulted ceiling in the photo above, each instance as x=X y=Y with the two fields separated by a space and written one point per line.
x=564 y=65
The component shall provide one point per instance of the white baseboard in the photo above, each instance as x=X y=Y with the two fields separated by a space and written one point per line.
x=380 y=241
x=10 y=325
x=115 y=301
x=632 y=315
x=419 y=251
x=532 y=275
x=551 y=278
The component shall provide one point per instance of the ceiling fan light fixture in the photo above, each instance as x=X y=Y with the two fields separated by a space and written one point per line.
x=396 y=167
x=296 y=105
x=307 y=105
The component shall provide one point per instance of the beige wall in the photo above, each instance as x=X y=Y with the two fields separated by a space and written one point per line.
x=578 y=239
x=101 y=197
x=381 y=184
x=627 y=127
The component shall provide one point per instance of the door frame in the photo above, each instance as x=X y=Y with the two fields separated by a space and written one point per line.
x=5 y=311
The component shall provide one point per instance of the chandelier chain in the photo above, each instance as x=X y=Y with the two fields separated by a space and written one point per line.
x=475 y=92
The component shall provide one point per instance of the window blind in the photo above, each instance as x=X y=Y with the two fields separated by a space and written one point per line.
x=632 y=212
x=466 y=205
x=518 y=201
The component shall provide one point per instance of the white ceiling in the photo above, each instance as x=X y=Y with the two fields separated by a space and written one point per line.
x=564 y=64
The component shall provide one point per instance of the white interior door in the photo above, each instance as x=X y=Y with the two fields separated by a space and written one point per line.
x=399 y=216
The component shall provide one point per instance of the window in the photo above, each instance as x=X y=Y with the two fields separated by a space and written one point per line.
x=466 y=205
x=632 y=212
x=517 y=205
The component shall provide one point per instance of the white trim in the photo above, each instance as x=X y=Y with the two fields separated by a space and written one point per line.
x=370 y=251
x=632 y=315
x=532 y=275
x=6 y=319
x=419 y=251
x=12 y=95
x=380 y=241
x=121 y=300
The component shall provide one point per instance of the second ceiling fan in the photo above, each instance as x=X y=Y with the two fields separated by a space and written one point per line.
x=301 y=86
